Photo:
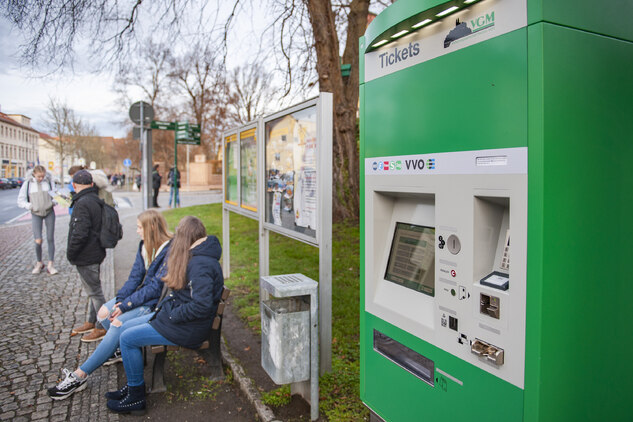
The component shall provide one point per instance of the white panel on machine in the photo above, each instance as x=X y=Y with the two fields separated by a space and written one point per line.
x=439 y=262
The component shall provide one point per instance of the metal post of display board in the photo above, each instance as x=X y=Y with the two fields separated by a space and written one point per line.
x=325 y=124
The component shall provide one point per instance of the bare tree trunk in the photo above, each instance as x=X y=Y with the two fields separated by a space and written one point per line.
x=345 y=201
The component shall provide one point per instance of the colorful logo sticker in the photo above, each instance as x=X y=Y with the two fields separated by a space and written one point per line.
x=430 y=163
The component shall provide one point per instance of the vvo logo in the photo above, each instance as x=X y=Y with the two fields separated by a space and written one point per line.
x=412 y=164
x=419 y=164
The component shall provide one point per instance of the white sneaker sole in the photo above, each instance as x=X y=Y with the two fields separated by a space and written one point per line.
x=80 y=388
x=112 y=361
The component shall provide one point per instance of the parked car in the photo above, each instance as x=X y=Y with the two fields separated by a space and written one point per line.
x=5 y=184
x=17 y=181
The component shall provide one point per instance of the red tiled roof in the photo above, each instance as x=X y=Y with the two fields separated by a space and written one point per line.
x=6 y=119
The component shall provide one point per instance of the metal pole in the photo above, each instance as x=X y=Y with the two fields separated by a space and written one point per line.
x=144 y=172
x=174 y=178
x=187 y=165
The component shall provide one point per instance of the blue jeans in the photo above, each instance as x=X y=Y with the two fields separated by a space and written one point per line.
x=136 y=334
x=171 y=196
x=110 y=341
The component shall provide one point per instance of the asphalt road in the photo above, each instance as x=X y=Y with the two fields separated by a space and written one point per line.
x=9 y=205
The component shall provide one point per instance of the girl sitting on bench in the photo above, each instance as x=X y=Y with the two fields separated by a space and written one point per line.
x=183 y=318
x=138 y=296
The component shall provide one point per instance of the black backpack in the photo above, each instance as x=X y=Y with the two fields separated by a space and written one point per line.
x=111 y=229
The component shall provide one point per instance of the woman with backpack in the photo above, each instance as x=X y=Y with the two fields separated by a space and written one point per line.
x=183 y=317
x=137 y=297
x=34 y=196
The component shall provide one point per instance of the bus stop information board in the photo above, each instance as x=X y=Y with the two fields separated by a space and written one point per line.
x=291 y=171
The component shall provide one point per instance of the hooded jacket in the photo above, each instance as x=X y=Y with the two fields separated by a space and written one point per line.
x=30 y=186
x=85 y=225
x=185 y=316
x=144 y=286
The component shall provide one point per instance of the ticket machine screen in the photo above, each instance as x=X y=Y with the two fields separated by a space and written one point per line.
x=412 y=258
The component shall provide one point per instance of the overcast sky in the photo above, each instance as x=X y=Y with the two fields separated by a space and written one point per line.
x=90 y=95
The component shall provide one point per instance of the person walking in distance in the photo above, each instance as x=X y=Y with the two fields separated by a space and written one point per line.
x=156 y=180
x=85 y=252
x=34 y=196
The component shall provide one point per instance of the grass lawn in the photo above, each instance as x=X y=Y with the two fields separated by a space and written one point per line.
x=339 y=390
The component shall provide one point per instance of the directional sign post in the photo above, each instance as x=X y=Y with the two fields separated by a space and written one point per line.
x=184 y=133
x=142 y=114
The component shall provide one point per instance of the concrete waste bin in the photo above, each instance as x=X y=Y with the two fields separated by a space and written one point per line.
x=289 y=321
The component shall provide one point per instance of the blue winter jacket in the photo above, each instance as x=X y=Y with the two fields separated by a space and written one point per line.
x=184 y=316
x=143 y=287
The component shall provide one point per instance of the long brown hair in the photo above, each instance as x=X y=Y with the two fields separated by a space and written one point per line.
x=188 y=231
x=155 y=231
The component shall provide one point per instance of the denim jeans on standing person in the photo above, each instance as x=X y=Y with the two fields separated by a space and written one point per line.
x=36 y=225
x=171 y=196
x=137 y=333
x=89 y=275
x=110 y=342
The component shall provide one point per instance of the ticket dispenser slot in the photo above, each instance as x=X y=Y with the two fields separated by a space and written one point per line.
x=492 y=241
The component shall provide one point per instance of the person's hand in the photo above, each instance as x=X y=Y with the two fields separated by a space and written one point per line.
x=115 y=312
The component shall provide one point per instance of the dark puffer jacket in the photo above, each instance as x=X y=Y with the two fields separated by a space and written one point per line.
x=185 y=316
x=85 y=225
x=143 y=286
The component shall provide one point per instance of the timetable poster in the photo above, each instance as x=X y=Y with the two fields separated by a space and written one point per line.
x=291 y=170
x=230 y=155
x=248 y=169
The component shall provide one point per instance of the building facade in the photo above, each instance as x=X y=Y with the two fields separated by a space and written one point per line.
x=18 y=145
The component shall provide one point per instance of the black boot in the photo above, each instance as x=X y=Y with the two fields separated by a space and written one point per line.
x=133 y=403
x=118 y=394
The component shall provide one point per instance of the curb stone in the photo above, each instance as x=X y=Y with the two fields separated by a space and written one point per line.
x=247 y=385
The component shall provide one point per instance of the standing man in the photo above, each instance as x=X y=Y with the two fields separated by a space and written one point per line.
x=156 y=179
x=173 y=180
x=85 y=252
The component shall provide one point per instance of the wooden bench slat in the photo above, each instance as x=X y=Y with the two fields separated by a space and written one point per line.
x=225 y=293
x=216 y=323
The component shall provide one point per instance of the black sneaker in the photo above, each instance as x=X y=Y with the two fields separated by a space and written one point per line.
x=66 y=387
x=116 y=358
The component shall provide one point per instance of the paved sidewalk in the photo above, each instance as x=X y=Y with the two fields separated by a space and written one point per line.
x=37 y=313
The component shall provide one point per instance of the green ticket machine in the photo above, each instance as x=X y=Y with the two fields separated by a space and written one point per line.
x=496 y=140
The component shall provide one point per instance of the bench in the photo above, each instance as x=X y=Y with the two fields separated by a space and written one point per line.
x=209 y=351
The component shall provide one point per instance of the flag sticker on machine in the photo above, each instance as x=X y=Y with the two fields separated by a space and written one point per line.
x=494 y=161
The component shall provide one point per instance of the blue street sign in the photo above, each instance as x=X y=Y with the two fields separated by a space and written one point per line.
x=127 y=162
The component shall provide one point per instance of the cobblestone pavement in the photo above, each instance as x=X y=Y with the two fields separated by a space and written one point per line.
x=37 y=313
